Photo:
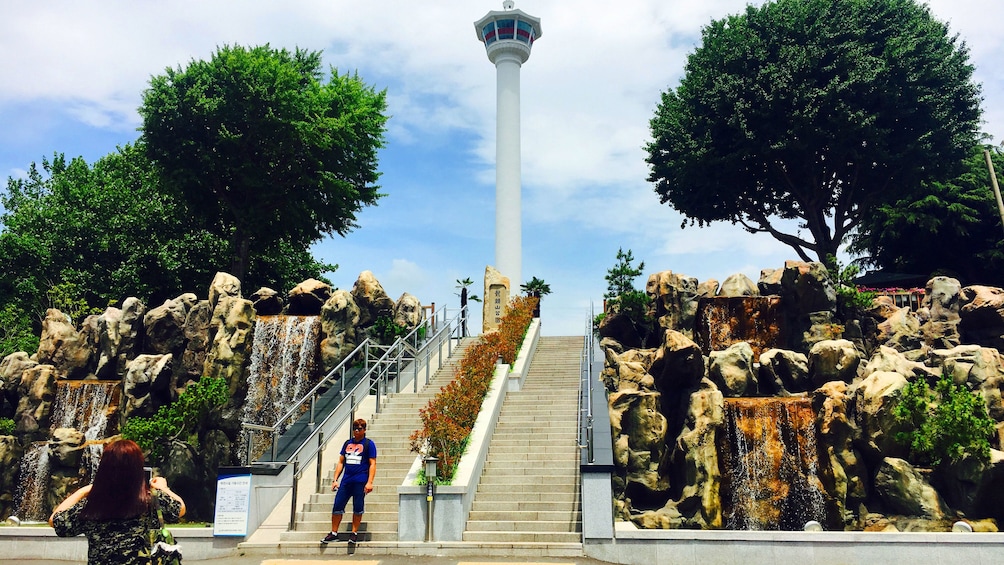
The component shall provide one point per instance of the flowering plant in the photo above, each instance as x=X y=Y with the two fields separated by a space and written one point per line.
x=448 y=419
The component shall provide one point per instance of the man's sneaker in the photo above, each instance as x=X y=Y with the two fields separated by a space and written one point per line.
x=353 y=537
x=330 y=537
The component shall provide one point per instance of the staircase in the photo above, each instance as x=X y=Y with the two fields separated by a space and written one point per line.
x=529 y=490
x=390 y=431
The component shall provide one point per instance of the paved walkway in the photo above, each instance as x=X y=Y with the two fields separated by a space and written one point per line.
x=349 y=559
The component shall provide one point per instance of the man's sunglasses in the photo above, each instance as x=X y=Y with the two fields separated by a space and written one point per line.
x=358 y=428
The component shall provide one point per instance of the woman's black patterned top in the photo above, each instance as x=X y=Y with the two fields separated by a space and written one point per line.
x=116 y=542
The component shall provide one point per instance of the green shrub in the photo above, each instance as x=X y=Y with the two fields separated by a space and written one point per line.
x=448 y=419
x=944 y=425
x=848 y=294
x=386 y=331
x=6 y=427
x=178 y=420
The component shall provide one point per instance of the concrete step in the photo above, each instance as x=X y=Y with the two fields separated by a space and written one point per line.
x=543 y=516
x=522 y=537
x=507 y=504
x=523 y=526
x=521 y=489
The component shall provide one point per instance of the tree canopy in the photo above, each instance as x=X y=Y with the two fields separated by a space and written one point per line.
x=951 y=228
x=256 y=139
x=104 y=230
x=81 y=237
x=813 y=111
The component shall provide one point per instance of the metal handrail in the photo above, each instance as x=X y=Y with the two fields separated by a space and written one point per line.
x=376 y=372
x=437 y=337
x=586 y=391
x=445 y=331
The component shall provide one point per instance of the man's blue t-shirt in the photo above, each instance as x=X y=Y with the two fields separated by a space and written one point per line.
x=357 y=460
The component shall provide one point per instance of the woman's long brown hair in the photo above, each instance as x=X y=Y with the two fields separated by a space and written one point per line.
x=119 y=490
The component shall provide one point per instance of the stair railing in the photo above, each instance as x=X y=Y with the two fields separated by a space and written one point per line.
x=382 y=365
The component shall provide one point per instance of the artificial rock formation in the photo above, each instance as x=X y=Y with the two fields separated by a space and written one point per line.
x=667 y=394
x=154 y=354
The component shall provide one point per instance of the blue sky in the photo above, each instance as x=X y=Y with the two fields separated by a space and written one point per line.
x=73 y=74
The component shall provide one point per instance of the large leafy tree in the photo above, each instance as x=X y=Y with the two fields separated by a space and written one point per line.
x=105 y=230
x=258 y=139
x=90 y=236
x=807 y=112
x=951 y=228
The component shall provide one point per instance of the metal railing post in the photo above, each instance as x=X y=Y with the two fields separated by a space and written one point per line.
x=320 y=462
x=292 y=508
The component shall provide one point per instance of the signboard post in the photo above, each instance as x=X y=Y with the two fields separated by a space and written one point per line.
x=233 y=502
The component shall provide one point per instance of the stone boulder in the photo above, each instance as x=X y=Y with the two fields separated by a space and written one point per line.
x=784 y=372
x=807 y=287
x=732 y=370
x=339 y=318
x=833 y=360
x=66 y=448
x=940 y=313
x=11 y=369
x=408 y=311
x=224 y=284
x=770 y=282
x=874 y=397
x=674 y=301
x=267 y=302
x=707 y=289
x=307 y=298
x=120 y=337
x=981 y=316
x=678 y=364
x=738 y=285
x=193 y=359
x=639 y=451
x=146 y=386
x=845 y=475
x=231 y=347
x=371 y=299
x=890 y=360
x=628 y=371
x=36 y=392
x=901 y=331
x=905 y=491
x=165 y=325
x=63 y=347
x=697 y=454
x=11 y=455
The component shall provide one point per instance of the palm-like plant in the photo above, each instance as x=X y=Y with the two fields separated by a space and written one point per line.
x=464 y=297
x=535 y=287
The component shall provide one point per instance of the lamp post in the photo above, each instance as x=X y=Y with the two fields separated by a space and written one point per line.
x=508 y=36
x=430 y=486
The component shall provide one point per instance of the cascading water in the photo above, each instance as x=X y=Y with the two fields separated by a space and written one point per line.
x=722 y=321
x=33 y=483
x=85 y=406
x=282 y=367
x=770 y=465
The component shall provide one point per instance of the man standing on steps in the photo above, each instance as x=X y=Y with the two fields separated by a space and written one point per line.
x=358 y=460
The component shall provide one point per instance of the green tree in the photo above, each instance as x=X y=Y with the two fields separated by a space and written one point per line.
x=623 y=298
x=79 y=238
x=807 y=112
x=926 y=231
x=103 y=233
x=257 y=139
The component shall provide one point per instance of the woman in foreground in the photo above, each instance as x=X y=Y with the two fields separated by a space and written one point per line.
x=116 y=512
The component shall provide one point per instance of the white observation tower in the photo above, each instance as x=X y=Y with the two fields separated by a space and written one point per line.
x=508 y=36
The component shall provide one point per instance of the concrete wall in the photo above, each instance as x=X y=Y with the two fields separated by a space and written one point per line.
x=701 y=547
